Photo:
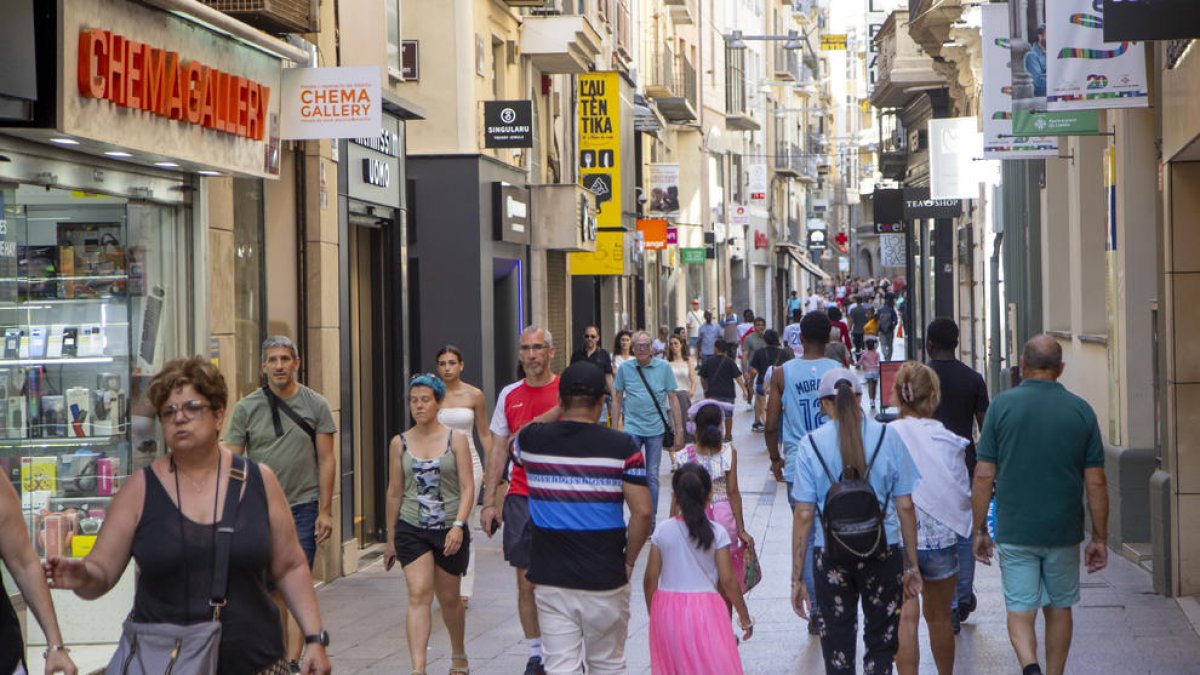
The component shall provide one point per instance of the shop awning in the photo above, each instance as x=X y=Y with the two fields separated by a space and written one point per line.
x=802 y=260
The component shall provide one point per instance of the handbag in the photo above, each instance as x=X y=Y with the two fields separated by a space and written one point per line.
x=753 y=573
x=12 y=648
x=173 y=649
x=668 y=438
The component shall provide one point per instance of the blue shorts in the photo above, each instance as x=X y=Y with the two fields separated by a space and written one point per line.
x=871 y=375
x=938 y=564
x=758 y=388
x=1039 y=576
x=305 y=516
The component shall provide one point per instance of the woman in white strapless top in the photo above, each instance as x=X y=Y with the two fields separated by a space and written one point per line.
x=464 y=409
x=685 y=377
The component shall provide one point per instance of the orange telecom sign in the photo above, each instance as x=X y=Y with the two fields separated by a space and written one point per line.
x=135 y=75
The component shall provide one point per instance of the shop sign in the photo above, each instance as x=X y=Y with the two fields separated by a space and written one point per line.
x=373 y=165
x=410 y=60
x=330 y=102
x=954 y=145
x=587 y=220
x=739 y=214
x=163 y=87
x=843 y=264
x=692 y=256
x=756 y=182
x=654 y=233
x=511 y=213
x=917 y=204
x=1150 y=20
x=508 y=124
x=599 y=117
x=816 y=240
x=761 y=241
x=672 y=236
x=607 y=260
x=833 y=42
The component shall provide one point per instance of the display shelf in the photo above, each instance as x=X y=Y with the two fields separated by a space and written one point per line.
x=48 y=303
x=71 y=442
x=74 y=360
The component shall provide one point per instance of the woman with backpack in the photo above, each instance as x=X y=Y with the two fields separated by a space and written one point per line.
x=854 y=484
x=690 y=583
x=943 y=501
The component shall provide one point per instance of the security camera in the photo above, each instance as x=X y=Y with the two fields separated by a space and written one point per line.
x=641 y=195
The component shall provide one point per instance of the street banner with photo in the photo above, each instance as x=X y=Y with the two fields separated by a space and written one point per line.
x=954 y=146
x=600 y=143
x=318 y=103
x=998 y=139
x=1085 y=72
x=663 y=183
x=1027 y=46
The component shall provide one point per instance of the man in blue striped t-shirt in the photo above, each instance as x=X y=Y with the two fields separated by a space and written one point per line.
x=581 y=475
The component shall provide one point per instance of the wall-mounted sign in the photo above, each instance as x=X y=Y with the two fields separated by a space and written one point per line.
x=587 y=219
x=1150 y=20
x=954 y=145
x=917 y=204
x=891 y=228
x=508 y=124
x=373 y=165
x=654 y=233
x=739 y=214
x=321 y=103
x=607 y=260
x=817 y=240
x=999 y=142
x=410 y=60
x=761 y=241
x=510 y=213
x=599 y=117
x=756 y=182
x=672 y=236
x=692 y=256
x=663 y=182
x=833 y=42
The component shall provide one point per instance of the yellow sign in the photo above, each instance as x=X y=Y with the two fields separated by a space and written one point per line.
x=81 y=545
x=833 y=42
x=608 y=259
x=600 y=144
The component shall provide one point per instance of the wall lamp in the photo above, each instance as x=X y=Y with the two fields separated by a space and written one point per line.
x=736 y=40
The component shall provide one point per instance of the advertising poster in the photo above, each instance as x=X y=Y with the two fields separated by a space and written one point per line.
x=600 y=144
x=954 y=145
x=998 y=139
x=1027 y=48
x=319 y=103
x=1084 y=71
x=662 y=182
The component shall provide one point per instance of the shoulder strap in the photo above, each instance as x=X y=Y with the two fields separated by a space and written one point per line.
x=821 y=459
x=277 y=405
x=224 y=538
x=878 y=445
x=653 y=397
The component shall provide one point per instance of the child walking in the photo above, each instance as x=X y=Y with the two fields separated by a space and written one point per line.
x=689 y=579
x=869 y=362
x=719 y=459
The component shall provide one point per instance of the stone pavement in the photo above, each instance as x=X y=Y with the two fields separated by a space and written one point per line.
x=1121 y=626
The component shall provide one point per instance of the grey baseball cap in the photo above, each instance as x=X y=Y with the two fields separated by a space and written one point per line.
x=831 y=378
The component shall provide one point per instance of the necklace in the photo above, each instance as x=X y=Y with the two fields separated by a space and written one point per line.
x=199 y=486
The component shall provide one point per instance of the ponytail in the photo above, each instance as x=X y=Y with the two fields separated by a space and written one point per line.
x=692 y=487
x=850 y=421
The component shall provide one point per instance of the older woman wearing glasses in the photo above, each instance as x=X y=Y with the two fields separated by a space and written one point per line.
x=166 y=516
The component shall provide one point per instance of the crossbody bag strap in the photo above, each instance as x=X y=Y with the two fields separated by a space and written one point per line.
x=277 y=405
x=224 y=538
x=878 y=445
x=653 y=398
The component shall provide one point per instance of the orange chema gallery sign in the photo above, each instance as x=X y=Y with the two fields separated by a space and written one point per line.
x=135 y=75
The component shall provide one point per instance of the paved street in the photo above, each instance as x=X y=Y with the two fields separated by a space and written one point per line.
x=1121 y=626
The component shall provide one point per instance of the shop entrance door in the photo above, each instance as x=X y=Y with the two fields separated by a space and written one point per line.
x=367 y=382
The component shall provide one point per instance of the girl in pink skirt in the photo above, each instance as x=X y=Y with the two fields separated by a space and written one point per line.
x=689 y=580
x=705 y=421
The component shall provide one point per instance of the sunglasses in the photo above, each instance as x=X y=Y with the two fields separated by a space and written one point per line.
x=189 y=409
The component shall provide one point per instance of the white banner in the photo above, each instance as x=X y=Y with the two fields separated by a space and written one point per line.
x=891 y=250
x=663 y=183
x=1083 y=72
x=954 y=146
x=998 y=141
x=739 y=214
x=756 y=182
x=321 y=103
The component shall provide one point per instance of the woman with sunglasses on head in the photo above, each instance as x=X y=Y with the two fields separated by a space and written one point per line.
x=430 y=493
x=465 y=410
x=622 y=349
x=166 y=518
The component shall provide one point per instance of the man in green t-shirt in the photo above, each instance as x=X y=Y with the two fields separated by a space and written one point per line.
x=1041 y=448
x=264 y=427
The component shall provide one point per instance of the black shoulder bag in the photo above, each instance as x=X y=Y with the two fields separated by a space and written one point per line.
x=668 y=439
x=277 y=405
x=156 y=648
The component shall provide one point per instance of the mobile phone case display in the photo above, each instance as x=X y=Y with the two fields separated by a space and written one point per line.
x=64 y=376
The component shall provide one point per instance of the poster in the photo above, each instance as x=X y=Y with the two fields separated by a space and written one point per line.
x=600 y=144
x=891 y=250
x=1084 y=71
x=662 y=181
x=1028 y=64
x=998 y=139
x=954 y=145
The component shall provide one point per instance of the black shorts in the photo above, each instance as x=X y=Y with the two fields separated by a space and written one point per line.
x=518 y=531
x=413 y=542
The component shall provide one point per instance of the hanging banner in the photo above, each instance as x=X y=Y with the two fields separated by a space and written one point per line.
x=756 y=182
x=739 y=214
x=1027 y=47
x=1084 y=72
x=954 y=145
x=318 y=103
x=998 y=139
x=654 y=233
x=607 y=260
x=662 y=181
x=600 y=144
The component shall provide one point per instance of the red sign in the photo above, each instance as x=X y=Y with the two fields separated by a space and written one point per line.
x=135 y=75
x=654 y=233
x=760 y=240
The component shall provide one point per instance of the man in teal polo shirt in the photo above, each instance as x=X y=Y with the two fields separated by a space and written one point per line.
x=1041 y=448
x=643 y=399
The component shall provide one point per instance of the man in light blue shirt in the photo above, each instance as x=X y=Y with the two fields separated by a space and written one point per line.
x=635 y=405
x=1035 y=62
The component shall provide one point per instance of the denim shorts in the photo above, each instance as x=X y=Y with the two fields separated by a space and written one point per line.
x=758 y=388
x=938 y=564
x=305 y=516
x=871 y=375
x=1039 y=576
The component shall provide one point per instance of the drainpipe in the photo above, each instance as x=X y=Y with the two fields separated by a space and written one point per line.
x=994 y=369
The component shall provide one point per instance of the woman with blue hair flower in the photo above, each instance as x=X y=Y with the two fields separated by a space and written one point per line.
x=431 y=490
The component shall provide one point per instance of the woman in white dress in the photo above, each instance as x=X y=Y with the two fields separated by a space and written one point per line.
x=685 y=378
x=464 y=409
x=622 y=349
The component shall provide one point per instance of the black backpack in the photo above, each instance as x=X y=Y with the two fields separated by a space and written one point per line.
x=887 y=319
x=853 y=515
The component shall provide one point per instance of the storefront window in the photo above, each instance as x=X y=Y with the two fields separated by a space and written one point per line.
x=249 y=282
x=90 y=290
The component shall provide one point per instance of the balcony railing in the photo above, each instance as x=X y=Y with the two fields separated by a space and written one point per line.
x=624 y=28
x=687 y=73
x=737 y=114
x=682 y=11
x=787 y=65
x=660 y=81
x=790 y=160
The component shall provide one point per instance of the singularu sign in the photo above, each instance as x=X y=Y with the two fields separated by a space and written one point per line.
x=135 y=75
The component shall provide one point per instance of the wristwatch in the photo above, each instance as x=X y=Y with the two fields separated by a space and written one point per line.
x=321 y=638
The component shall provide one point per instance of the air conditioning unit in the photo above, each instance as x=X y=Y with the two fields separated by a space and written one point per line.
x=272 y=16
x=542 y=8
x=527 y=3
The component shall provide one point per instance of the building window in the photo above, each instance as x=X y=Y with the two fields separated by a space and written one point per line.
x=249 y=278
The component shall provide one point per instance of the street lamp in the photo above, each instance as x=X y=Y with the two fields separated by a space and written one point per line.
x=737 y=40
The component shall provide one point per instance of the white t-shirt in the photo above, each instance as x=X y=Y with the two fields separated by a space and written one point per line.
x=695 y=319
x=686 y=568
x=813 y=303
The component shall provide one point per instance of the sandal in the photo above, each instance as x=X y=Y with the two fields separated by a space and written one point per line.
x=460 y=670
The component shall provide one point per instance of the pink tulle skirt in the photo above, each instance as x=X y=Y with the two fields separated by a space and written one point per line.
x=691 y=634
x=721 y=513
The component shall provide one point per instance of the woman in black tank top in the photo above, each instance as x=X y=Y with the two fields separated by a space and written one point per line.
x=165 y=518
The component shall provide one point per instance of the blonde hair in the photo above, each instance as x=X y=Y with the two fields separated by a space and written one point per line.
x=917 y=390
